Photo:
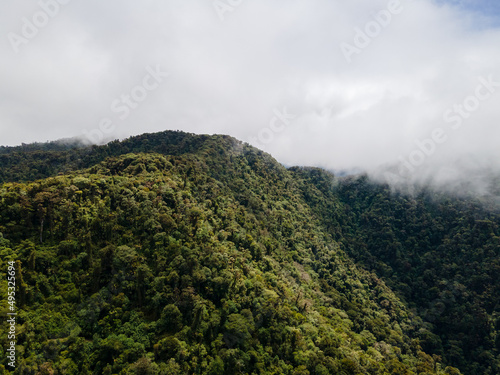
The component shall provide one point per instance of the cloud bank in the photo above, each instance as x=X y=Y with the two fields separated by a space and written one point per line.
x=342 y=85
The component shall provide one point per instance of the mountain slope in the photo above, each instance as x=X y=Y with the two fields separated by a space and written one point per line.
x=442 y=255
x=203 y=255
x=439 y=252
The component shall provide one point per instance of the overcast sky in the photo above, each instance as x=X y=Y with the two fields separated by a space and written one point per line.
x=339 y=84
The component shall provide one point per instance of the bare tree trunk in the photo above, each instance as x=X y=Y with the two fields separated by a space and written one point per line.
x=41 y=232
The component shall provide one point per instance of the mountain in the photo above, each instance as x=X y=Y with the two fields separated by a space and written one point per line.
x=175 y=253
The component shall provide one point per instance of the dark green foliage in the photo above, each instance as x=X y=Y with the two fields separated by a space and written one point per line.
x=439 y=254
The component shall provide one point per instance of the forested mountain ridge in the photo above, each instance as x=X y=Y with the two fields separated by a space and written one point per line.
x=40 y=160
x=173 y=253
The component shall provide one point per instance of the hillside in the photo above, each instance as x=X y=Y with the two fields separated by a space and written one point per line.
x=172 y=253
x=441 y=254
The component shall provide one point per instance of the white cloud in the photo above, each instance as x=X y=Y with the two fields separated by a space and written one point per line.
x=229 y=76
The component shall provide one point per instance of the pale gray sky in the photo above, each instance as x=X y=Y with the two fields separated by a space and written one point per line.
x=340 y=84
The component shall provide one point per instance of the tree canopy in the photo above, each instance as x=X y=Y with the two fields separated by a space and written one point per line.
x=171 y=253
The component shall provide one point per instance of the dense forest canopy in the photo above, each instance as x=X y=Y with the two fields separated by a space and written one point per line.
x=174 y=253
